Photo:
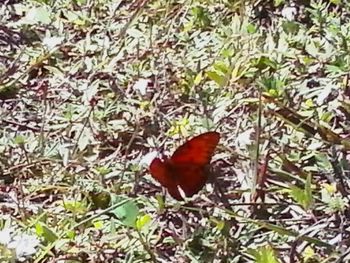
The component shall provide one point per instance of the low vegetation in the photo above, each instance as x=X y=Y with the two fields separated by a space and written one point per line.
x=89 y=89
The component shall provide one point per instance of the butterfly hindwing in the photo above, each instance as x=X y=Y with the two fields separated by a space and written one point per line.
x=161 y=173
x=191 y=178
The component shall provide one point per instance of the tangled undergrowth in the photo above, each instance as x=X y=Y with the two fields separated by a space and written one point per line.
x=89 y=89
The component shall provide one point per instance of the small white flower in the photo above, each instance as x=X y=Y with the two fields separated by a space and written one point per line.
x=289 y=13
x=141 y=85
x=24 y=245
x=5 y=236
x=148 y=158
x=244 y=139
x=51 y=42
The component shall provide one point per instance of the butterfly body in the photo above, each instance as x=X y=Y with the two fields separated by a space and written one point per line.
x=188 y=167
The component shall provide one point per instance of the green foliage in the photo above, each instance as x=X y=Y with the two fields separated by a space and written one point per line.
x=333 y=201
x=127 y=213
x=303 y=196
x=264 y=254
x=88 y=88
x=45 y=232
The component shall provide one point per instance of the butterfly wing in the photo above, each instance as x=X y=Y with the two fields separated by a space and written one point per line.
x=191 y=178
x=189 y=162
x=198 y=150
x=163 y=173
x=187 y=166
x=159 y=170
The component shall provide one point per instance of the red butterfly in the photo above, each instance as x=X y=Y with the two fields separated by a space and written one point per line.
x=188 y=166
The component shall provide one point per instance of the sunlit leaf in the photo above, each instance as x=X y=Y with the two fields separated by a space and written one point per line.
x=127 y=213
x=142 y=221
x=38 y=15
x=44 y=231
x=264 y=254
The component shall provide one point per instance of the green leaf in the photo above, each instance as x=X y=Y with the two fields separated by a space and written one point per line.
x=20 y=140
x=303 y=196
x=290 y=27
x=251 y=28
x=308 y=193
x=263 y=255
x=74 y=206
x=44 y=231
x=98 y=224
x=219 y=79
x=142 y=221
x=264 y=62
x=298 y=195
x=278 y=2
x=70 y=234
x=127 y=213
x=198 y=78
x=221 y=67
x=80 y=2
x=201 y=17
x=38 y=15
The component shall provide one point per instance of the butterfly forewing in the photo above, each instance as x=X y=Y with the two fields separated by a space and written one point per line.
x=198 y=150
